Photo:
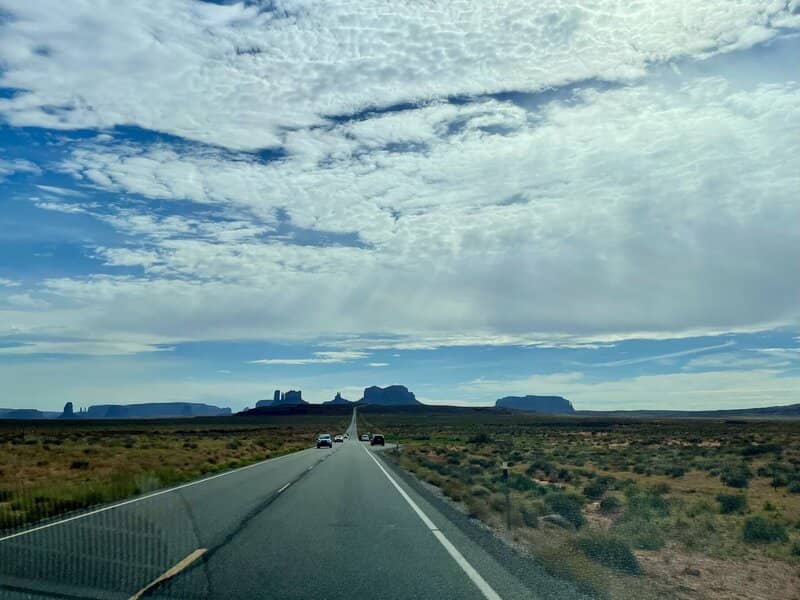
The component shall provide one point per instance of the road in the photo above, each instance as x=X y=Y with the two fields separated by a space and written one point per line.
x=314 y=524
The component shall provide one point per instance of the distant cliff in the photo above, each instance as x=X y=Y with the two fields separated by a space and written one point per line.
x=282 y=399
x=152 y=410
x=26 y=413
x=541 y=404
x=394 y=395
x=292 y=397
x=337 y=399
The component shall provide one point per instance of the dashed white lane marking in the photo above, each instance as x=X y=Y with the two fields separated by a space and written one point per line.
x=169 y=573
x=284 y=487
x=462 y=562
x=140 y=498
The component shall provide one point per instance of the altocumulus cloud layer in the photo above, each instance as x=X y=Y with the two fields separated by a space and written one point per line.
x=377 y=173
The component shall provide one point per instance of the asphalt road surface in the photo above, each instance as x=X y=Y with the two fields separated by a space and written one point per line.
x=325 y=524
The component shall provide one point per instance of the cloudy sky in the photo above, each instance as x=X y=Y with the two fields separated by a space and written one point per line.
x=207 y=201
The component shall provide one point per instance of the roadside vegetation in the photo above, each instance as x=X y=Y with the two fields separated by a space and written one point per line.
x=54 y=467
x=628 y=508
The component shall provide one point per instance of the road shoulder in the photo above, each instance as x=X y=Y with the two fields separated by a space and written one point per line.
x=492 y=558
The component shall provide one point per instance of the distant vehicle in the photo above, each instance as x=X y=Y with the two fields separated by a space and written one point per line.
x=338 y=438
x=347 y=436
x=324 y=440
x=377 y=440
x=365 y=438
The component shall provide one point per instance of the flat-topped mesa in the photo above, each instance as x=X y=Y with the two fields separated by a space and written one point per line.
x=291 y=397
x=555 y=405
x=150 y=410
x=394 y=395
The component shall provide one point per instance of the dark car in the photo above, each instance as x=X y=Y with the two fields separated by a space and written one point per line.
x=377 y=440
x=324 y=440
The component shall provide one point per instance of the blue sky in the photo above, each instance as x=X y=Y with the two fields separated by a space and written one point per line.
x=208 y=201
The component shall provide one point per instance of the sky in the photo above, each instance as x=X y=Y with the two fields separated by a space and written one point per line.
x=207 y=201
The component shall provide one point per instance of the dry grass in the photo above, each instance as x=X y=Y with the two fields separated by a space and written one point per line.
x=664 y=477
x=51 y=468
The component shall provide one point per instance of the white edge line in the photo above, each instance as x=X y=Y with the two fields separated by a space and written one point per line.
x=462 y=562
x=146 y=497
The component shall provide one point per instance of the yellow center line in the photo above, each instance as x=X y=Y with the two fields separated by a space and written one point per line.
x=170 y=573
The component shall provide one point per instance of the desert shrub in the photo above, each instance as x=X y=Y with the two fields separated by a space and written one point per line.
x=736 y=476
x=530 y=516
x=610 y=551
x=542 y=465
x=731 y=503
x=523 y=484
x=477 y=508
x=796 y=549
x=567 y=506
x=780 y=480
x=794 y=487
x=454 y=490
x=610 y=504
x=564 y=475
x=641 y=533
x=701 y=507
x=675 y=471
x=479 y=490
x=5 y=495
x=480 y=438
x=497 y=502
x=594 y=490
x=454 y=457
x=79 y=464
x=760 y=530
x=643 y=521
x=647 y=505
x=659 y=489
x=756 y=450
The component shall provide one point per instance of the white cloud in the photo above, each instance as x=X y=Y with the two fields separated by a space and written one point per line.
x=238 y=76
x=9 y=167
x=60 y=207
x=378 y=364
x=9 y=283
x=735 y=360
x=645 y=359
x=610 y=213
x=634 y=223
x=81 y=347
x=60 y=191
x=789 y=353
x=26 y=300
x=328 y=357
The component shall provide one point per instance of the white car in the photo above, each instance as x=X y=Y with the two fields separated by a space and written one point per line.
x=338 y=438
x=365 y=438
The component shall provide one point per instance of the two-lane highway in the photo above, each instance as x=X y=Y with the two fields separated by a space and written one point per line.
x=317 y=523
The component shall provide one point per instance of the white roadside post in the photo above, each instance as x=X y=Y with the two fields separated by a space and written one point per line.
x=508 y=497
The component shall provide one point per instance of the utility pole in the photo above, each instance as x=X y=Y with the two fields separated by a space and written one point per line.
x=508 y=497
